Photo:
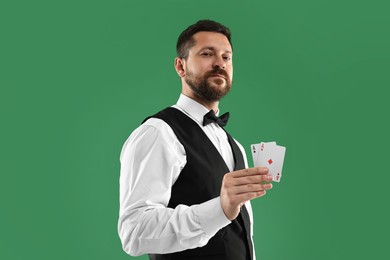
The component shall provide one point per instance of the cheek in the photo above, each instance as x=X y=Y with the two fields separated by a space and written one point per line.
x=192 y=69
x=231 y=73
x=202 y=66
x=193 y=65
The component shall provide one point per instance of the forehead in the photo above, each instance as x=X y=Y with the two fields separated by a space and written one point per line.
x=214 y=40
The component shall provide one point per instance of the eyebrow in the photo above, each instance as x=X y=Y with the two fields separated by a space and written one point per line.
x=213 y=49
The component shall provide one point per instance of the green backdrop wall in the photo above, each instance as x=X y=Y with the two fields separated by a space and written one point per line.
x=78 y=76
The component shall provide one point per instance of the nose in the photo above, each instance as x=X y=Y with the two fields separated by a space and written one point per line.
x=219 y=63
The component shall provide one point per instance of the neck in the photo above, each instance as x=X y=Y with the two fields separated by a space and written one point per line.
x=207 y=104
x=186 y=90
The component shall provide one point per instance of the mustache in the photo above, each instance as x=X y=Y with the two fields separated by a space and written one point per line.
x=217 y=71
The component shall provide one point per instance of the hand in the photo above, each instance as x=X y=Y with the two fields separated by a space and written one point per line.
x=240 y=186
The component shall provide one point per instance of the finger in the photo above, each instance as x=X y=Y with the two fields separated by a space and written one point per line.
x=254 y=179
x=250 y=171
x=242 y=198
x=250 y=188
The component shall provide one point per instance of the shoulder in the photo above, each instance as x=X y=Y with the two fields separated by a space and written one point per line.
x=153 y=132
x=152 y=127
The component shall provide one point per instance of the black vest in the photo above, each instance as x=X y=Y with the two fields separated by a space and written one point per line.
x=199 y=181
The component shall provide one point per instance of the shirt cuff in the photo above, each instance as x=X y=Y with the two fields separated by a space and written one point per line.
x=211 y=216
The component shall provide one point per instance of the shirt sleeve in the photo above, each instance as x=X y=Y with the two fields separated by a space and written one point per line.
x=151 y=161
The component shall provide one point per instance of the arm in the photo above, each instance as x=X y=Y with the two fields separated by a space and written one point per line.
x=151 y=161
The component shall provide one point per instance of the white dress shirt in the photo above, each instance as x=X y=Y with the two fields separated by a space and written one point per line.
x=151 y=161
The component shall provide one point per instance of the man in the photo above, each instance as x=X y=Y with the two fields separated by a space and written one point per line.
x=185 y=190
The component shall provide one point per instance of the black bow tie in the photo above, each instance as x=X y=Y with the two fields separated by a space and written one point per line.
x=211 y=118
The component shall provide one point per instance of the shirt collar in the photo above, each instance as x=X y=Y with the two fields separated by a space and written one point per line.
x=193 y=108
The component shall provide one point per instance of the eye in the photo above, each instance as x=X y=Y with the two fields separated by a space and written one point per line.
x=227 y=58
x=206 y=54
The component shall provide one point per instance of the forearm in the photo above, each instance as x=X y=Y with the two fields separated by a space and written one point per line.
x=165 y=230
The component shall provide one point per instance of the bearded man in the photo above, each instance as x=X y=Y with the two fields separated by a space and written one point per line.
x=185 y=187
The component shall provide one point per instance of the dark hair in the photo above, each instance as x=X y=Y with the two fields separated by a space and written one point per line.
x=186 y=40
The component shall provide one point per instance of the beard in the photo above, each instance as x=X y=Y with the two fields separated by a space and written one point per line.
x=207 y=88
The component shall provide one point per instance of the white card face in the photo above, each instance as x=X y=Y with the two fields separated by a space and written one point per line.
x=276 y=166
x=255 y=148
x=265 y=154
x=271 y=156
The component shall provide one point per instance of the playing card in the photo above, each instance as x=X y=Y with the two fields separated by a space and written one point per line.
x=255 y=149
x=271 y=156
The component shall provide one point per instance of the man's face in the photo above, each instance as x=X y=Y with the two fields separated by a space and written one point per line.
x=209 y=67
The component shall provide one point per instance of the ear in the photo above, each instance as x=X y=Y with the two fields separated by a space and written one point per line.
x=179 y=66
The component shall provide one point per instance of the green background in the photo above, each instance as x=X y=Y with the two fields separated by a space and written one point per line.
x=78 y=76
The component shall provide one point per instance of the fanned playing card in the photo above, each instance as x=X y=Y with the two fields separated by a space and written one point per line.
x=271 y=156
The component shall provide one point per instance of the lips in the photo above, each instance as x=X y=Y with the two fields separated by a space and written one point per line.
x=218 y=75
